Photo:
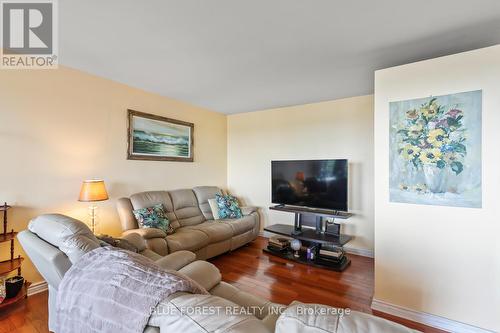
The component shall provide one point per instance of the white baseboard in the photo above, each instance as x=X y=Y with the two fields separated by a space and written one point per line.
x=351 y=250
x=426 y=318
x=37 y=287
x=360 y=252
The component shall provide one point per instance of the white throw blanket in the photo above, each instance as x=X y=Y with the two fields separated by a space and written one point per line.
x=113 y=290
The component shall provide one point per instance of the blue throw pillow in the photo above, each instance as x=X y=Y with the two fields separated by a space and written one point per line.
x=153 y=217
x=228 y=207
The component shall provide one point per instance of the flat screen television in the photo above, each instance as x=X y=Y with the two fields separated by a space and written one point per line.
x=310 y=183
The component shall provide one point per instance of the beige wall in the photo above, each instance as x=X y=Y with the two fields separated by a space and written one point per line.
x=441 y=260
x=335 y=129
x=59 y=127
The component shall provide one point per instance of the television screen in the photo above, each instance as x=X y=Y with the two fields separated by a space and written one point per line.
x=310 y=183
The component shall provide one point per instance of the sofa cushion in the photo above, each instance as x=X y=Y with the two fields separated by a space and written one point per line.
x=203 y=193
x=187 y=239
x=216 y=232
x=186 y=207
x=151 y=198
x=204 y=313
x=240 y=225
x=259 y=307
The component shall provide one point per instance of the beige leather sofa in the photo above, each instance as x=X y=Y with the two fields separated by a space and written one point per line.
x=53 y=242
x=191 y=217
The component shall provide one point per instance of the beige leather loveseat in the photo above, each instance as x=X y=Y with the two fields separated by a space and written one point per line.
x=191 y=217
x=53 y=242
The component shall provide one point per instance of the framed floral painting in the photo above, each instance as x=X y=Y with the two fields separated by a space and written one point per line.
x=435 y=150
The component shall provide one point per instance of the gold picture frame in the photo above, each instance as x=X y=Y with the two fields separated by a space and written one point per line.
x=156 y=138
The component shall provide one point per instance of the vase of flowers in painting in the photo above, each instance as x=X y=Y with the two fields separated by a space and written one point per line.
x=432 y=141
x=436 y=179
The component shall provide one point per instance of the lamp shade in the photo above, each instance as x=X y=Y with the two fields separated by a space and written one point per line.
x=93 y=190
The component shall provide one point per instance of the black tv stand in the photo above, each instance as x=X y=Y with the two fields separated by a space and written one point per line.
x=333 y=229
x=321 y=235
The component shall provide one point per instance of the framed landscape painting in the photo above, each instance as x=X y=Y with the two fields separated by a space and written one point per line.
x=152 y=137
x=435 y=150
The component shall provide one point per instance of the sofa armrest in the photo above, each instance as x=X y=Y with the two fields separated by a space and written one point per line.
x=247 y=210
x=146 y=233
x=176 y=260
x=203 y=272
x=155 y=239
x=136 y=240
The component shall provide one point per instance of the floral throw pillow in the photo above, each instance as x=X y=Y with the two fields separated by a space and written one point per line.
x=228 y=207
x=153 y=217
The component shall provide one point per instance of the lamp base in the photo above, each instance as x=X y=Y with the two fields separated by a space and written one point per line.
x=93 y=218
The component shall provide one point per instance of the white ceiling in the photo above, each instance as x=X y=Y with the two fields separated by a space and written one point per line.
x=236 y=56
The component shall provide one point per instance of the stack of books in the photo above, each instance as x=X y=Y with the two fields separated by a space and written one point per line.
x=278 y=243
x=331 y=254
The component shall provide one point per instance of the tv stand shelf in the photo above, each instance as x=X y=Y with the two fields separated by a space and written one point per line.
x=309 y=235
x=314 y=211
x=337 y=267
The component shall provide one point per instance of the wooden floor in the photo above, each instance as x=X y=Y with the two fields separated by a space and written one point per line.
x=26 y=316
x=262 y=274
x=282 y=281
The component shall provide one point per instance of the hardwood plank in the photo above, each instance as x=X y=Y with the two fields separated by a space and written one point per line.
x=28 y=315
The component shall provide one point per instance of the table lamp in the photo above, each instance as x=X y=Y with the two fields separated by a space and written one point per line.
x=92 y=191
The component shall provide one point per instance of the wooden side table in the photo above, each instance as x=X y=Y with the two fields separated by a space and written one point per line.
x=12 y=264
